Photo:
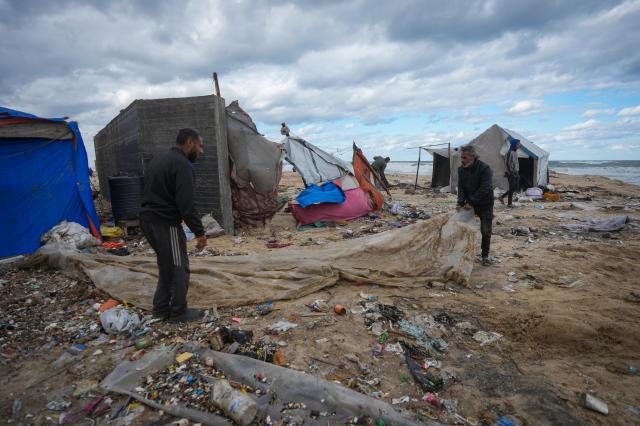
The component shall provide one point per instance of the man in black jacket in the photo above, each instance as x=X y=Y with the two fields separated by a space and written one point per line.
x=167 y=200
x=475 y=190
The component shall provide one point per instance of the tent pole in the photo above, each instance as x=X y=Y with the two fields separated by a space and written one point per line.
x=415 y=187
x=449 y=150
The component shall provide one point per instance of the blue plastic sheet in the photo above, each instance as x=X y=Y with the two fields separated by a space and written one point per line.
x=42 y=182
x=327 y=193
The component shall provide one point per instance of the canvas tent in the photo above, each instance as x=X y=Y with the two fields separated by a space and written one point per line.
x=314 y=165
x=317 y=167
x=256 y=169
x=441 y=170
x=492 y=145
x=44 y=179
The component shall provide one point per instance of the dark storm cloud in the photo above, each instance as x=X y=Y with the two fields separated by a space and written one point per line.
x=474 y=21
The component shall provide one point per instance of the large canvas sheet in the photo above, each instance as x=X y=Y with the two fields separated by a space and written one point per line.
x=439 y=249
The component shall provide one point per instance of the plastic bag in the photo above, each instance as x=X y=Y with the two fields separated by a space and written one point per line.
x=119 y=320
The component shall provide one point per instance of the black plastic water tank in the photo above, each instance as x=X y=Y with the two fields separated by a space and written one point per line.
x=126 y=196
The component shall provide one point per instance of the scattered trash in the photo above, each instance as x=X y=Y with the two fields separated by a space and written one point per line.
x=395 y=348
x=119 y=320
x=145 y=342
x=340 y=310
x=402 y=400
x=486 y=338
x=265 y=309
x=282 y=326
x=520 y=230
x=425 y=379
x=184 y=357
x=506 y=421
x=111 y=303
x=319 y=305
x=431 y=399
x=16 y=406
x=58 y=405
x=595 y=404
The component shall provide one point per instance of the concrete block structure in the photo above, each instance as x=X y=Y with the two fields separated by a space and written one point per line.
x=126 y=146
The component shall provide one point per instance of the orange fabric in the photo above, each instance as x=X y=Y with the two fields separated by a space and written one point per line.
x=362 y=171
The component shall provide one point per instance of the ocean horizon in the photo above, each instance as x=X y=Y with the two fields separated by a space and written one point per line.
x=624 y=170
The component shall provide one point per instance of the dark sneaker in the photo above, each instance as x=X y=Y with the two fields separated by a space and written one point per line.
x=486 y=261
x=188 y=316
x=509 y=206
x=160 y=315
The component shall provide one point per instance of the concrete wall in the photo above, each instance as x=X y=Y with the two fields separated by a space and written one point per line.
x=155 y=124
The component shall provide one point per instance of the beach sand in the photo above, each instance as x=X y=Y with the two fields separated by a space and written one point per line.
x=568 y=319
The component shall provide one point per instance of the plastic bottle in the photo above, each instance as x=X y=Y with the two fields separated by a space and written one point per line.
x=240 y=407
x=145 y=342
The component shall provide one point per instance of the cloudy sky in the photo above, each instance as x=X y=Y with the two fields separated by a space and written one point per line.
x=389 y=75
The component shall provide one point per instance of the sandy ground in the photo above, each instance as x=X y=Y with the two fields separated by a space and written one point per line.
x=562 y=301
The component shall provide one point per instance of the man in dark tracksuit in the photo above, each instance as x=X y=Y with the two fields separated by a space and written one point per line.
x=475 y=190
x=167 y=200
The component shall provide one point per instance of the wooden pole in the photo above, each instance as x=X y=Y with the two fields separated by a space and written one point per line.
x=449 y=149
x=215 y=80
x=417 y=169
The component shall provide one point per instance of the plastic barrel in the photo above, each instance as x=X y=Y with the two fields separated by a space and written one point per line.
x=126 y=196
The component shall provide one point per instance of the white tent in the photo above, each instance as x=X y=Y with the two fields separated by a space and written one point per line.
x=492 y=145
x=313 y=164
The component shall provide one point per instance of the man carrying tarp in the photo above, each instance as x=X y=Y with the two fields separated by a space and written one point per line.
x=513 y=170
x=379 y=165
x=475 y=191
x=167 y=200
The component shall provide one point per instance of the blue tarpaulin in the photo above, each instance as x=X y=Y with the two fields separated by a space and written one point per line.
x=327 y=193
x=42 y=183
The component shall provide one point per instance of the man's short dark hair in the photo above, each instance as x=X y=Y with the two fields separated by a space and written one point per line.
x=185 y=134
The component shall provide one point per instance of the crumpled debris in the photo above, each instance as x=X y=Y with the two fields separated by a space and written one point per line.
x=486 y=337
x=422 y=338
x=282 y=326
x=119 y=320
x=71 y=235
x=390 y=312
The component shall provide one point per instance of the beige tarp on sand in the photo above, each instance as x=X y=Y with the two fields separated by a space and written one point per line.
x=439 y=249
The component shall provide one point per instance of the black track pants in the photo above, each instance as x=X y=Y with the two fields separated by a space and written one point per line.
x=170 y=245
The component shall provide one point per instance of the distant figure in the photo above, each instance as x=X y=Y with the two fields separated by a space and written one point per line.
x=475 y=191
x=379 y=165
x=513 y=171
x=168 y=199
x=284 y=130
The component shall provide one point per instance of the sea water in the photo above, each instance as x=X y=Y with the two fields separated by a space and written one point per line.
x=624 y=170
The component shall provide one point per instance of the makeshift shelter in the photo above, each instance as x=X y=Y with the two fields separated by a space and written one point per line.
x=314 y=164
x=256 y=169
x=316 y=167
x=441 y=170
x=492 y=146
x=44 y=180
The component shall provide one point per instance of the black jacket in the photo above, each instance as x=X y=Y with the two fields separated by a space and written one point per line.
x=168 y=194
x=475 y=185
